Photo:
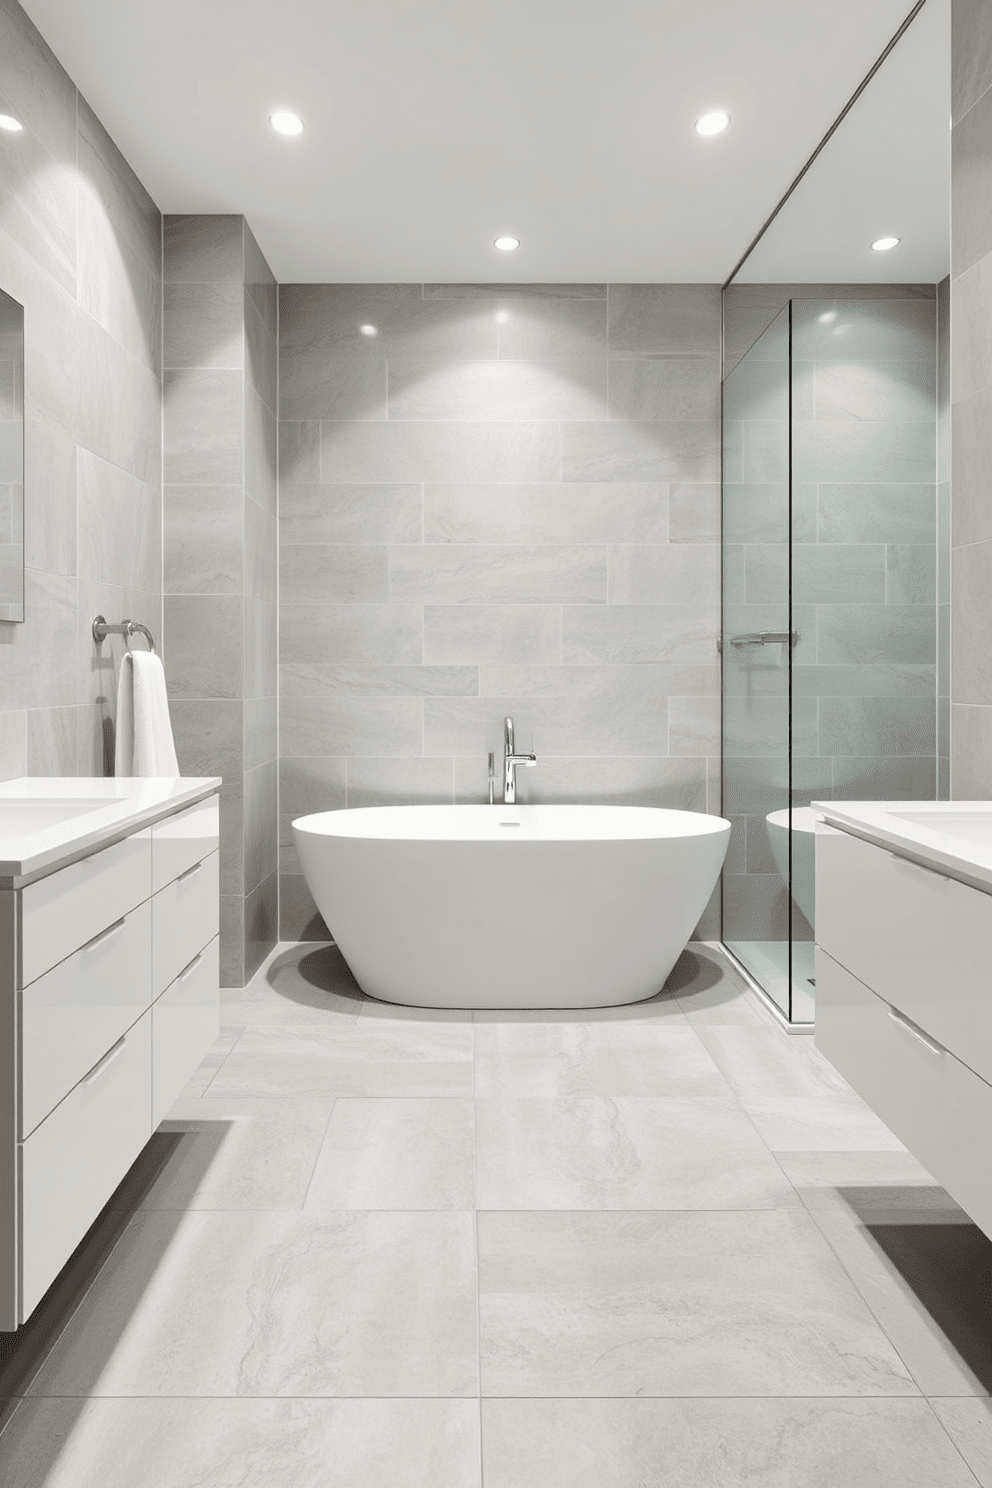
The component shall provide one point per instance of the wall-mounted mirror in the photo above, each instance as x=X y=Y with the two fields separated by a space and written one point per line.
x=11 y=459
x=836 y=502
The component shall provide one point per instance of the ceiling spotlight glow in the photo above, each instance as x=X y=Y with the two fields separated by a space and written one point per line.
x=713 y=123
x=882 y=245
x=369 y=330
x=12 y=125
x=284 y=122
x=507 y=244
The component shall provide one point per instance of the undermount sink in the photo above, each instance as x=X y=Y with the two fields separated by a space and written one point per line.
x=22 y=816
x=969 y=826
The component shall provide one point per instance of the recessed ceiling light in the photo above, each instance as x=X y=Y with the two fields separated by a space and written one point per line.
x=369 y=330
x=882 y=245
x=507 y=244
x=714 y=123
x=13 y=126
x=284 y=122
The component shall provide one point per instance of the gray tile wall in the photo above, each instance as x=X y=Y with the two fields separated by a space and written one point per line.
x=498 y=500
x=80 y=248
x=220 y=369
x=863 y=574
x=971 y=402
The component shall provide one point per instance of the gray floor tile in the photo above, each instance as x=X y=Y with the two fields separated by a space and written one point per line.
x=623 y=1153
x=674 y=1304
x=969 y=1425
x=760 y=1061
x=242 y=1152
x=242 y=1444
x=826 y=1123
x=410 y=1153
x=381 y=1058
x=717 y=1444
x=928 y=1285
x=610 y=1057
x=277 y=1304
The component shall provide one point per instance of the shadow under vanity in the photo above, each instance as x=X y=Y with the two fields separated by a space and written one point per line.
x=108 y=997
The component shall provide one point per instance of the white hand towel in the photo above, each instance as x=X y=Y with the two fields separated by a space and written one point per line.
x=144 y=731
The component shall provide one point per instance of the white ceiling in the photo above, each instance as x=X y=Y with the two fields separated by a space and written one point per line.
x=432 y=127
x=887 y=171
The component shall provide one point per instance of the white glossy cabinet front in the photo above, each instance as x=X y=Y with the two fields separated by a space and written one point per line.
x=932 y=1101
x=904 y=1004
x=916 y=937
x=73 y=1162
x=110 y=1003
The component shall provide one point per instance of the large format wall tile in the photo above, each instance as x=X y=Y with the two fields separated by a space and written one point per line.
x=637 y=450
x=492 y=633
x=480 y=486
x=971 y=211
x=667 y=318
x=81 y=251
x=314 y=513
x=514 y=573
x=597 y=512
x=452 y=451
x=388 y=634
x=205 y=249
x=203 y=426
x=203 y=539
x=203 y=325
x=120 y=247
x=496 y=390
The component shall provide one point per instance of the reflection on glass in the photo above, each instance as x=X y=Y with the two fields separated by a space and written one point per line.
x=11 y=459
x=756 y=666
x=835 y=663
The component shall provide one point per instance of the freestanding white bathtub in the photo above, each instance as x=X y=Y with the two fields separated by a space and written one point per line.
x=511 y=906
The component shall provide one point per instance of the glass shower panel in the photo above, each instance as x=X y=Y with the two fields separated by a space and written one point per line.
x=864 y=560
x=758 y=624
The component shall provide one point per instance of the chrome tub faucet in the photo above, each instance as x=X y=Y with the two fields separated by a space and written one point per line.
x=510 y=762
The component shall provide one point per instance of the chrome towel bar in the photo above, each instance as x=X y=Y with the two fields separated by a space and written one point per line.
x=126 y=628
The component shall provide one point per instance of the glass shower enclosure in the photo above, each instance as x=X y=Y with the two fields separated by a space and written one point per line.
x=834 y=677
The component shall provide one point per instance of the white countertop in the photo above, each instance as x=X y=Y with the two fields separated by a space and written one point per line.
x=110 y=809
x=954 y=835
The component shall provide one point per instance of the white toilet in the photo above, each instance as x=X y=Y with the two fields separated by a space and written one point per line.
x=803 y=852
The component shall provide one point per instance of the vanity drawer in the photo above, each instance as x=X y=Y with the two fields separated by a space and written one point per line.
x=184 y=839
x=185 y=918
x=932 y=1102
x=185 y=1022
x=73 y=1162
x=73 y=1014
x=63 y=911
x=918 y=939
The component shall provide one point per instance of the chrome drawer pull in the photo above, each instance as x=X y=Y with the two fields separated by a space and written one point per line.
x=102 y=1064
x=192 y=965
x=920 y=867
x=917 y=1033
x=189 y=872
x=104 y=935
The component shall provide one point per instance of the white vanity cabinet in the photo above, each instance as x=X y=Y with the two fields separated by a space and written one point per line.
x=904 y=1002
x=108 y=1001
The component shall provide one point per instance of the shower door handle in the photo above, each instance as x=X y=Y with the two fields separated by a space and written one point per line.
x=766 y=638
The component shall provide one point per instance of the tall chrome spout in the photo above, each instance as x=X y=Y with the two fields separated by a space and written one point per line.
x=510 y=762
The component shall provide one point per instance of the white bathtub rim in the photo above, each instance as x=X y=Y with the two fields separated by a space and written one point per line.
x=503 y=824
